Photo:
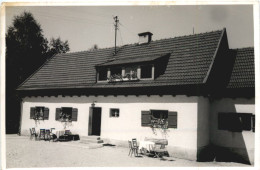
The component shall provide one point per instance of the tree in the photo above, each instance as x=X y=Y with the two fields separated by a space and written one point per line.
x=57 y=46
x=94 y=47
x=26 y=50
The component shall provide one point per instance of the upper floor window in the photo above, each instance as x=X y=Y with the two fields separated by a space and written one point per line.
x=146 y=71
x=102 y=74
x=129 y=73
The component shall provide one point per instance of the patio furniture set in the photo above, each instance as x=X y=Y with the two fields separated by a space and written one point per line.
x=52 y=134
x=148 y=146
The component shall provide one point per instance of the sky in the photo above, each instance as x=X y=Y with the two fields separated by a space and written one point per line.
x=84 y=26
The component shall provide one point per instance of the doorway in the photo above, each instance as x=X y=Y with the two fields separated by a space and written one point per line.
x=94 y=121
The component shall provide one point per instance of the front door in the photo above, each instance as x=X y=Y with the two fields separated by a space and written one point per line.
x=94 y=121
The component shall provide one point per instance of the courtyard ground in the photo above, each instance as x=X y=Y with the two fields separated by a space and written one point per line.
x=21 y=152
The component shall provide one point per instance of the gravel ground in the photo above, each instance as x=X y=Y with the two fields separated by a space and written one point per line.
x=24 y=153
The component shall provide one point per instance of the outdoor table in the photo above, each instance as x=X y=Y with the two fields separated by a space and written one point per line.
x=146 y=145
x=58 y=132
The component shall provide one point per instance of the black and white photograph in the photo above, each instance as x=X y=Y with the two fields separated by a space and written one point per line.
x=130 y=86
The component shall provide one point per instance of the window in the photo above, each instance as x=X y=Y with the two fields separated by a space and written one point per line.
x=148 y=117
x=66 y=114
x=39 y=113
x=131 y=72
x=236 y=122
x=114 y=112
x=102 y=74
x=146 y=71
x=116 y=71
x=159 y=114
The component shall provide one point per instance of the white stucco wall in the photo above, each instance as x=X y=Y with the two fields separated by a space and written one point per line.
x=128 y=125
x=242 y=142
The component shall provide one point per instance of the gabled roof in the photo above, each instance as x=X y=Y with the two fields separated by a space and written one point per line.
x=190 y=58
x=243 y=72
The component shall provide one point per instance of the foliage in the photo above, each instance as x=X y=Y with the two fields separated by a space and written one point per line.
x=94 y=47
x=56 y=46
x=161 y=124
x=26 y=50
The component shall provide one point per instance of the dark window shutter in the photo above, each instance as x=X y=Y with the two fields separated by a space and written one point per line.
x=46 y=113
x=146 y=118
x=74 y=114
x=58 y=110
x=32 y=112
x=253 y=123
x=172 y=119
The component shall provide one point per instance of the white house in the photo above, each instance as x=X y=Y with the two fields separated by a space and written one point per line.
x=201 y=91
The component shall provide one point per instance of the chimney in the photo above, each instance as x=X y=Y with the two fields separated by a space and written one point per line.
x=145 y=37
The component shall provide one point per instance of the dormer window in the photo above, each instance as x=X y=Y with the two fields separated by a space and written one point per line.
x=132 y=69
x=147 y=72
x=102 y=74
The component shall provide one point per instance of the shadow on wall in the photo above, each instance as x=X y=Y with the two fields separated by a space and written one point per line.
x=227 y=143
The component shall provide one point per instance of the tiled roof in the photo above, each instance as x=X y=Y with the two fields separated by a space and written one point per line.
x=189 y=61
x=243 y=73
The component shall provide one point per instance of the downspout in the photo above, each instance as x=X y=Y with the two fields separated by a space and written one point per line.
x=21 y=115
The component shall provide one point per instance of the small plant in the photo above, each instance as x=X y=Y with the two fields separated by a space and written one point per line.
x=161 y=124
x=64 y=117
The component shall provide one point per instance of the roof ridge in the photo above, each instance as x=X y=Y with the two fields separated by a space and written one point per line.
x=122 y=46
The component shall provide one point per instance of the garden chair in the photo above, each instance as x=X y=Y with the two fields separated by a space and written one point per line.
x=33 y=134
x=67 y=132
x=42 y=134
x=135 y=146
x=48 y=134
x=131 y=150
x=159 y=150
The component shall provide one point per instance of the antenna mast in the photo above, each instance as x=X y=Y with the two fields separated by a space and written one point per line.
x=116 y=28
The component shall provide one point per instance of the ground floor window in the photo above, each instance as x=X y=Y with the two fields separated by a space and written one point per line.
x=160 y=118
x=39 y=113
x=65 y=114
x=236 y=122
x=114 y=112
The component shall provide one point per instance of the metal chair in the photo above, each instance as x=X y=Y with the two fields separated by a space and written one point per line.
x=42 y=134
x=159 y=150
x=48 y=134
x=33 y=134
x=130 y=148
x=135 y=146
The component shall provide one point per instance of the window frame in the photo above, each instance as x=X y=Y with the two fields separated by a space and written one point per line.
x=110 y=112
x=234 y=125
x=152 y=72
x=153 y=110
x=41 y=117
x=69 y=120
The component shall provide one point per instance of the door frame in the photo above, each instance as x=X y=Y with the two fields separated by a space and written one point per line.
x=90 y=119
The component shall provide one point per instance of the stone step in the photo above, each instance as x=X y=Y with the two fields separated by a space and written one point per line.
x=82 y=145
x=90 y=137
x=87 y=141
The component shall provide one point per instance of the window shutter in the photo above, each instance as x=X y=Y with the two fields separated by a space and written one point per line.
x=74 y=114
x=46 y=113
x=172 y=119
x=146 y=118
x=253 y=123
x=32 y=112
x=58 y=110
